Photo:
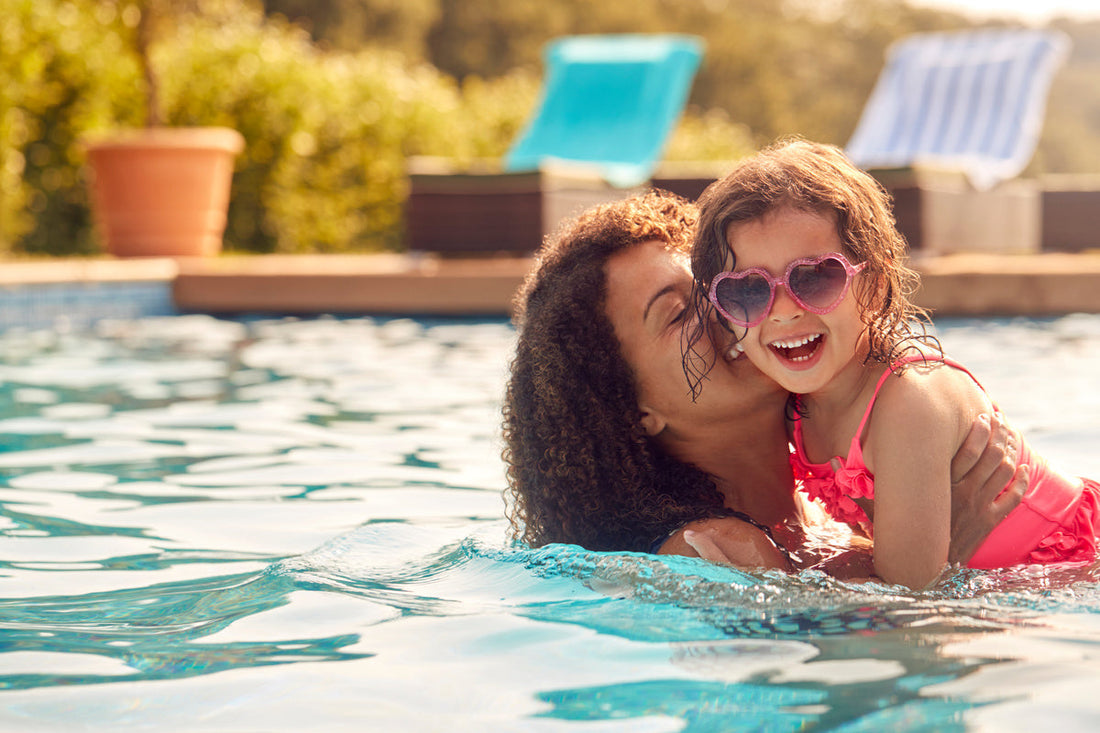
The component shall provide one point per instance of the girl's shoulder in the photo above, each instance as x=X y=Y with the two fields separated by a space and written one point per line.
x=928 y=406
x=932 y=385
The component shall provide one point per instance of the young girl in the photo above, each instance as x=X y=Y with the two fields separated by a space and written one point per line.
x=798 y=251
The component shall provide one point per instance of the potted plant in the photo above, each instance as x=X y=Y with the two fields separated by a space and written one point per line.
x=161 y=191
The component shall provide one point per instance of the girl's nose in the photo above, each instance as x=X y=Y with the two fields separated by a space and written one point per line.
x=784 y=307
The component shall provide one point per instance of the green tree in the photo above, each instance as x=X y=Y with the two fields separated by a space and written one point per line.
x=778 y=67
x=351 y=25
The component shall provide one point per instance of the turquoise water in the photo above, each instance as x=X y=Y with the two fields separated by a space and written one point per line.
x=297 y=525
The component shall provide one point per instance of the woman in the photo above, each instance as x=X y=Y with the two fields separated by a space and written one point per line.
x=606 y=447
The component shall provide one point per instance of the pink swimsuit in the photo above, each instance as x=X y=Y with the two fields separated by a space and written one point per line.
x=1055 y=521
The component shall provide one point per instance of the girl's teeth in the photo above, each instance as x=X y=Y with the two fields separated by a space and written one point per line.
x=795 y=343
x=797 y=349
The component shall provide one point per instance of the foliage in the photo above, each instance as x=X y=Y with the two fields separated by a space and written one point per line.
x=326 y=135
x=709 y=136
x=492 y=115
x=352 y=25
x=329 y=128
x=778 y=67
x=63 y=69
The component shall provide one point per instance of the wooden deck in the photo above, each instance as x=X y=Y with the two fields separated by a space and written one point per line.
x=952 y=285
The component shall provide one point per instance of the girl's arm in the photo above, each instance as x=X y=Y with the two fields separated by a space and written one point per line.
x=918 y=423
x=986 y=485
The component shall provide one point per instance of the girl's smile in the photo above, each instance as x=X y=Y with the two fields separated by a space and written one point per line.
x=798 y=351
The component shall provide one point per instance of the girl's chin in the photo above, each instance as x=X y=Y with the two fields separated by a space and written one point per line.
x=799 y=377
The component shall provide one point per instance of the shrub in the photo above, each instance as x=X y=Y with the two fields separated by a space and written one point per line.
x=63 y=70
x=709 y=136
x=327 y=134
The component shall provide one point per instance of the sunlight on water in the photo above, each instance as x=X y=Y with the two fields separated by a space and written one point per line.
x=298 y=525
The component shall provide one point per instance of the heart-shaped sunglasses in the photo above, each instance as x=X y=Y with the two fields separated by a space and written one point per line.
x=817 y=284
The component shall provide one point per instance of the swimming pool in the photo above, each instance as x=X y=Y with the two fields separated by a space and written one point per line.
x=297 y=525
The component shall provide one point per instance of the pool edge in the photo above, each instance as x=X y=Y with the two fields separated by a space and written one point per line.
x=415 y=284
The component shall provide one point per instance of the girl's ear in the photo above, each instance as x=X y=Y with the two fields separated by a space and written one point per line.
x=652 y=421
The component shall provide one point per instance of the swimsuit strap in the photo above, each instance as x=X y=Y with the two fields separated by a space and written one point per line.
x=871 y=404
x=945 y=359
x=902 y=362
x=856 y=439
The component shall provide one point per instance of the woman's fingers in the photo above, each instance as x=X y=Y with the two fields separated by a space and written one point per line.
x=989 y=442
x=980 y=471
x=1013 y=494
x=986 y=461
x=707 y=548
x=972 y=449
x=969 y=532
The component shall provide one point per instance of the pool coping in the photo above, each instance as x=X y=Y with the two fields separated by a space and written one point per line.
x=978 y=284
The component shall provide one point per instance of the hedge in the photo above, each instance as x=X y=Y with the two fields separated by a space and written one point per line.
x=327 y=134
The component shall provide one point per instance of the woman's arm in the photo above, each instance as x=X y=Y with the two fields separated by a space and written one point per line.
x=727 y=540
x=981 y=470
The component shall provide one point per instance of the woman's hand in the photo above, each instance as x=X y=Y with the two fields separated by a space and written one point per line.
x=980 y=471
x=726 y=540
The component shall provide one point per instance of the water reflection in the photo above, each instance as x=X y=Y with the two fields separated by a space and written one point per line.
x=293 y=525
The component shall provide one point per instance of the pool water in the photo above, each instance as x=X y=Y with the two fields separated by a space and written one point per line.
x=297 y=525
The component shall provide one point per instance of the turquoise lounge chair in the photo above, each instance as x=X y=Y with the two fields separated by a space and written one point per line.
x=609 y=102
x=608 y=106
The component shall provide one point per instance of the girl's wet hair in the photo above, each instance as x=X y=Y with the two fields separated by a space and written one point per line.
x=820 y=179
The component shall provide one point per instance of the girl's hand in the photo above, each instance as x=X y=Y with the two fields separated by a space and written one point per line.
x=982 y=467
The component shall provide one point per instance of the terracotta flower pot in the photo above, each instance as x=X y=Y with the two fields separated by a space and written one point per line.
x=163 y=192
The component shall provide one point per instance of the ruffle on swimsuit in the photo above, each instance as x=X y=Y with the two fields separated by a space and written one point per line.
x=837 y=490
x=1054 y=523
x=1078 y=542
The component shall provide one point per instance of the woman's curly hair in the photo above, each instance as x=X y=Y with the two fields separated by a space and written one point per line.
x=820 y=179
x=581 y=469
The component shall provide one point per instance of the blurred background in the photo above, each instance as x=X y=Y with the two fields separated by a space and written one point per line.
x=333 y=96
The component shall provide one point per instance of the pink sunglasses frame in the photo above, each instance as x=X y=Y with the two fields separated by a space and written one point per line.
x=850 y=271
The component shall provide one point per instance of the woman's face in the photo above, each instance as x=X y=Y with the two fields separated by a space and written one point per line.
x=648 y=303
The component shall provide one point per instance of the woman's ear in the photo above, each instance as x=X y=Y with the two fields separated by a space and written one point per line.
x=652 y=421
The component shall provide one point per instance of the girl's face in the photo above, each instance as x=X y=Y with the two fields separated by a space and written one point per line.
x=800 y=350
